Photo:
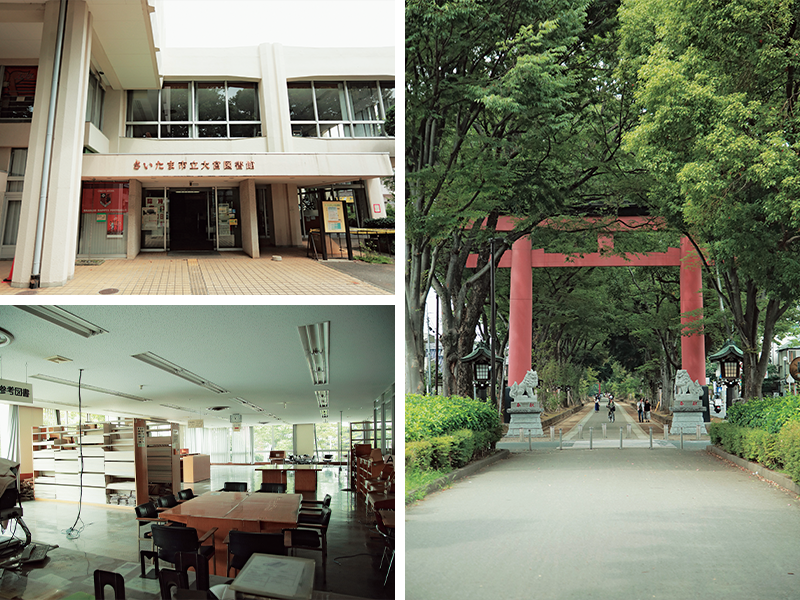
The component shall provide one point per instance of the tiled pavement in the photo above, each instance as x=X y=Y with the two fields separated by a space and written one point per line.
x=229 y=273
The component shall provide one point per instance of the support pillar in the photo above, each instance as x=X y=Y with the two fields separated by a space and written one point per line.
x=520 y=311
x=693 y=347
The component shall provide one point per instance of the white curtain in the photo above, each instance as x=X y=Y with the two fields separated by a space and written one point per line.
x=9 y=426
x=217 y=444
x=242 y=446
x=193 y=440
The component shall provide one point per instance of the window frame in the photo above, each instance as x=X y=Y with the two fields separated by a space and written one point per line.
x=195 y=123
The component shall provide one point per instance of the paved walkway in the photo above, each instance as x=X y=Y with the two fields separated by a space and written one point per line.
x=605 y=524
x=228 y=273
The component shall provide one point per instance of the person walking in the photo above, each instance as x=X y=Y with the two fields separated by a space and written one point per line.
x=647 y=410
x=611 y=409
x=640 y=410
x=597 y=403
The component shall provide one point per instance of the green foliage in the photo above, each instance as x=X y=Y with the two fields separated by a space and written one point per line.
x=789 y=449
x=433 y=416
x=445 y=433
x=769 y=414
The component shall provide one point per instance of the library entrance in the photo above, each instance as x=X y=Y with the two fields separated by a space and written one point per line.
x=191 y=220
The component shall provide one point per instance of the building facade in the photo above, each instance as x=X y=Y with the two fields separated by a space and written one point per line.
x=133 y=149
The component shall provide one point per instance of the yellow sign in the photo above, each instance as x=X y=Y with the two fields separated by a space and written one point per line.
x=333 y=217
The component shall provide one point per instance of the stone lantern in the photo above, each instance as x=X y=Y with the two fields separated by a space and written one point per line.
x=729 y=358
x=480 y=361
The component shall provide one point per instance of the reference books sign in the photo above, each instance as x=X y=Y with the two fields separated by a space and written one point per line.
x=16 y=391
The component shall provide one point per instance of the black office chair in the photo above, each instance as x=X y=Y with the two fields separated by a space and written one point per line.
x=104 y=578
x=234 y=486
x=165 y=502
x=169 y=541
x=314 y=516
x=147 y=514
x=311 y=536
x=243 y=544
x=186 y=494
x=272 y=488
x=388 y=538
x=324 y=503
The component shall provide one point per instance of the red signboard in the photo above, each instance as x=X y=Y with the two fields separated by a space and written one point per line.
x=105 y=198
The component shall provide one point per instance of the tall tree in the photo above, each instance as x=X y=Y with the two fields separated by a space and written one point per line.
x=508 y=113
x=717 y=89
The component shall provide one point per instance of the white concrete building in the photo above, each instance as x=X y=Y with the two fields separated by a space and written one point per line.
x=133 y=149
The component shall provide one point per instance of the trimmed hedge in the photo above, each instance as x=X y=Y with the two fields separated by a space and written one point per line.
x=382 y=223
x=432 y=416
x=448 y=452
x=778 y=451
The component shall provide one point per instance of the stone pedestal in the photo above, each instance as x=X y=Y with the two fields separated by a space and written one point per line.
x=525 y=417
x=687 y=421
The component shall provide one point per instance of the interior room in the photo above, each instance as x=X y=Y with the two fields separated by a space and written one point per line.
x=170 y=449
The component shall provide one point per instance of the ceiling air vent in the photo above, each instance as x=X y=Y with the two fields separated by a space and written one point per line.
x=59 y=359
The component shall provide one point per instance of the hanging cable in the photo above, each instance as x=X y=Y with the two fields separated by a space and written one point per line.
x=74 y=532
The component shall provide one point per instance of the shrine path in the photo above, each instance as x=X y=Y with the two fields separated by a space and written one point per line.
x=605 y=523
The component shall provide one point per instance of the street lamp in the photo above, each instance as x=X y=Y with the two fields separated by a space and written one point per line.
x=480 y=359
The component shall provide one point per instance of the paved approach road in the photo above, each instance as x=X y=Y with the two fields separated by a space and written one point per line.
x=605 y=523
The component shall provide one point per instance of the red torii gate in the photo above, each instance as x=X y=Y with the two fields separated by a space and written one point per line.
x=522 y=259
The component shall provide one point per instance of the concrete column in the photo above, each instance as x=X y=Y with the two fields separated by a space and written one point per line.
x=274 y=99
x=63 y=202
x=23 y=256
x=286 y=215
x=693 y=347
x=520 y=342
x=134 y=245
x=377 y=204
x=249 y=217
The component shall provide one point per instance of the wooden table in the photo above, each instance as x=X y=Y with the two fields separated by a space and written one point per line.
x=305 y=476
x=236 y=510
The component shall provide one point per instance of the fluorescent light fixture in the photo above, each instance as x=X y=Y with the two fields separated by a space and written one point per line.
x=183 y=408
x=92 y=388
x=62 y=318
x=161 y=363
x=322 y=398
x=58 y=359
x=315 y=339
x=248 y=404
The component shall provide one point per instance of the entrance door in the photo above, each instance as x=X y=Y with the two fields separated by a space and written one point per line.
x=189 y=219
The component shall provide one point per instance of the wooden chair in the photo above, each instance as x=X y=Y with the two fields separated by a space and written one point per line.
x=171 y=578
x=192 y=560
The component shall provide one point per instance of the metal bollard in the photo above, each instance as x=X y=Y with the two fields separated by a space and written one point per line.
x=666 y=431
x=552 y=434
x=630 y=430
x=560 y=440
x=651 y=438
x=681 y=438
x=580 y=432
x=605 y=436
x=529 y=439
x=620 y=438
x=590 y=437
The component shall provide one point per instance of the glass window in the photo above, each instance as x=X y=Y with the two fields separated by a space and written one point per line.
x=301 y=102
x=331 y=104
x=195 y=110
x=143 y=131
x=214 y=131
x=17 y=94
x=174 y=131
x=242 y=102
x=334 y=130
x=364 y=103
x=175 y=104
x=143 y=105
x=387 y=95
x=304 y=130
x=94 y=101
x=245 y=131
x=211 y=102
